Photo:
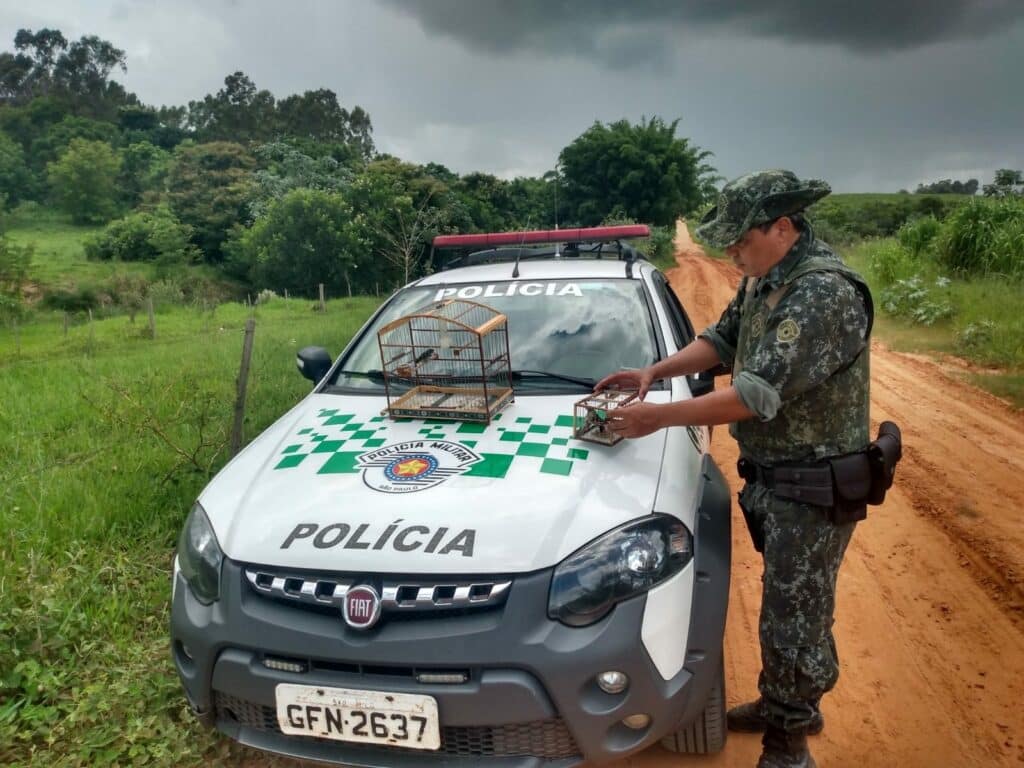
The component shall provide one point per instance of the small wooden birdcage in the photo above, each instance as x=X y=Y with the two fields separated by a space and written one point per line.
x=593 y=414
x=455 y=356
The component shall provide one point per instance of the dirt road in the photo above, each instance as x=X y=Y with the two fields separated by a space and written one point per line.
x=930 y=616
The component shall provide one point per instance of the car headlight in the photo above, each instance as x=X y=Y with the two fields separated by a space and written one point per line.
x=617 y=566
x=200 y=556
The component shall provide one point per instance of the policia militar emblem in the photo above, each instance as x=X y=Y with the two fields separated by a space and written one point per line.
x=415 y=465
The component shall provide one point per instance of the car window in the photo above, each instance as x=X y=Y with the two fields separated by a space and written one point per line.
x=679 y=322
x=583 y=328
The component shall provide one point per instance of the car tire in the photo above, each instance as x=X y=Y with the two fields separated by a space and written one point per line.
x=705 y=735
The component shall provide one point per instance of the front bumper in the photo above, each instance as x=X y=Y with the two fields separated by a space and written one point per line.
x=530 y=699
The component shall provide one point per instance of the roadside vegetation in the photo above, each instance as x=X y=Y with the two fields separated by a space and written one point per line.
x=955 y=287
x=106 y=438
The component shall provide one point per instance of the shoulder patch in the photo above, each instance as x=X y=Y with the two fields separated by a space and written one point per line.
x=787 y=331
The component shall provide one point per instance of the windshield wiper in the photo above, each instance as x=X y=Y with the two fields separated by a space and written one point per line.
x=582 y=382
x=372 y=375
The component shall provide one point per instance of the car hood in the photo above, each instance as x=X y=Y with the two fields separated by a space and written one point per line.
x=335 y=485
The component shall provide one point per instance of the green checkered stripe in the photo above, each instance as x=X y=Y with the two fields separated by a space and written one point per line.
x=340 y=438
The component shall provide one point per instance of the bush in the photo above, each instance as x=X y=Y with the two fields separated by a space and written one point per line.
x=144 y=236
x=79 y=299
x=912 y=299
x=974 y=336
x=984 y=237
x=166 y=293
x=843 y=218
x=888 y=261
x=917 y=234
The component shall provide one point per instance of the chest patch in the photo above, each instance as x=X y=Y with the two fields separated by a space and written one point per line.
x=788 y=331
x=757 y=324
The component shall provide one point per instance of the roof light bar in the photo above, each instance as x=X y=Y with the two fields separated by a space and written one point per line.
x=533 y=237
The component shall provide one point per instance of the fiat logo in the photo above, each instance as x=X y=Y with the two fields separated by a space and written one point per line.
x=361 y=607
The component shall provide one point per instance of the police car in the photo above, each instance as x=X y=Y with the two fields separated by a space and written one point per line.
x=512 y=597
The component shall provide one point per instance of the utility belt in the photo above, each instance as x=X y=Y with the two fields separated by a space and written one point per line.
x=843 y=486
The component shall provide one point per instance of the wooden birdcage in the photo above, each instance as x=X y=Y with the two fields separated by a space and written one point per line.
x=593 y=414
x=454 y=355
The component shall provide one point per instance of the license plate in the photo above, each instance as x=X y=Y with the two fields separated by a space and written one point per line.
x=366 y=717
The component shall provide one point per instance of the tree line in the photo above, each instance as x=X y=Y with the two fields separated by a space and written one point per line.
x=285 y=193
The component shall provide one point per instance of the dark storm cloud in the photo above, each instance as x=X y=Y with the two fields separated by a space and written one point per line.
x=623 y=33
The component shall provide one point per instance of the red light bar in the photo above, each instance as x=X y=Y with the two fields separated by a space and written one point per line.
x=585 y=235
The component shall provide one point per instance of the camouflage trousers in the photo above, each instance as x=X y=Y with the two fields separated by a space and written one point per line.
x=802 y=553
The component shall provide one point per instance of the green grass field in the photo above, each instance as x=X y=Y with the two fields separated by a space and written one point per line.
x=106 y=437
x=59 y=261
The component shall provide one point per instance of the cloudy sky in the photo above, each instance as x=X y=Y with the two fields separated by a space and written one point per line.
x=872 y=95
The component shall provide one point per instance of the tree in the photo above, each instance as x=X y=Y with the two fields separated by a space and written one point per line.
x=948 y=187
x=386 y=194
x=52 y=144
x=287 y=168
x=84 y=181
x=238 y=112
x=144 y=169
x=209 y=188
x=16 y=180
x=46 y=64
x=410 y=235
x=306 y=237
x=639 y=171
x=1006 y=183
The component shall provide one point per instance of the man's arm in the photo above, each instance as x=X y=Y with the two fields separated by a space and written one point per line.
x=699 y=355
x=720 y=407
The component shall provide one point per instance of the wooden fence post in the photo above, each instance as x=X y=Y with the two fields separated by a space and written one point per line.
x=243 y=381
x=152 y=317
x=286 y=294
x=65 y=325
x=92 y=333
x=322 y=306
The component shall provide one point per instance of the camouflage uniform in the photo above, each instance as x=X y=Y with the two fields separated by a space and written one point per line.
x=796 y=340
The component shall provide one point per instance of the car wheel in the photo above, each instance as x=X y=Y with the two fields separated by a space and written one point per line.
x=706 y=734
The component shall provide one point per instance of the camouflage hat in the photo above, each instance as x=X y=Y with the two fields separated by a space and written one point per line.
x=755 y=199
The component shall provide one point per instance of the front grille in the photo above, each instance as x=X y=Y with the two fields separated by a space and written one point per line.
x=404 y=596
x=546 y=739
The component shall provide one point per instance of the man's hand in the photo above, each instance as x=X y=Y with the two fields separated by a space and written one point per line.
x=636 y=419
x=636 y=379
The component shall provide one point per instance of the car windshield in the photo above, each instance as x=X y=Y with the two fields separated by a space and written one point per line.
x=582 y=329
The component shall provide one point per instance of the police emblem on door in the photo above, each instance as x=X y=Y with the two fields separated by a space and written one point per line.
x=361 y=608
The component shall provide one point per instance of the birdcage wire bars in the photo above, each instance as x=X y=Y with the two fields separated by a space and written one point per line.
x=454 y=354
x=592 y=416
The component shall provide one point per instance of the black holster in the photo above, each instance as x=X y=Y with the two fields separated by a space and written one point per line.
x=753 y=526
x=841 y=485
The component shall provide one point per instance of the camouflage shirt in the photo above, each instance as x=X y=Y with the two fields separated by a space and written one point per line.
x=796 y=340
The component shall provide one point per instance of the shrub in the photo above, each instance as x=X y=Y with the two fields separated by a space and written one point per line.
x=917 y=234
x=888 y=261
x=265 y=296
x=912 y=299
x=165 y=293
x=974 y=336
x=144 y=236
x=984 y=237
x=78 y=299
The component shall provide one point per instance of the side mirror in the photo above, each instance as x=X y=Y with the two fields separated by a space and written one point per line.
x=703 y=383
x=313 y=363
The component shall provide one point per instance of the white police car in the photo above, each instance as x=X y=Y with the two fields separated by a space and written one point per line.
x=542 y=601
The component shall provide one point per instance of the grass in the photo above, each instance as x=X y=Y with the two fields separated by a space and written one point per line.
x=986 y=327
x=106 y=437
x=59 y=261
